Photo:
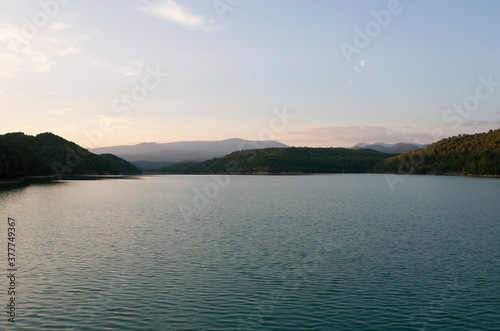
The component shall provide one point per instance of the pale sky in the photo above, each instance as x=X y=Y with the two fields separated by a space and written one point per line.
x=304 y=72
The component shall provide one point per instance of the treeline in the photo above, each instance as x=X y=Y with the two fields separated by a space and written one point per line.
x=476 y=154
x=291 y=160
x=46 y=154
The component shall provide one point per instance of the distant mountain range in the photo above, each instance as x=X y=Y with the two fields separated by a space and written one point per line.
x=156 y=155
x=477 y=154
x=46 y=154
x=398 y=148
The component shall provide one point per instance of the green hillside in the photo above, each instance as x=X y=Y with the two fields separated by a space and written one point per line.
x=16 y=162
x=476 y=154
x=285 y=160
x=124 y=166
x=46 y=154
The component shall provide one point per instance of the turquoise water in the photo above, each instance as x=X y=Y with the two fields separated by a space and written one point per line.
x=334 y=252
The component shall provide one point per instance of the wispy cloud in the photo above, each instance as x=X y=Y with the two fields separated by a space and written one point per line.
x=482 y=123
x=7 y=94
x=59 y=111
x=47 y=91
x=347 y=136
x=170 y=10
x=132 y=69
x=57 y=26
x=23 y=54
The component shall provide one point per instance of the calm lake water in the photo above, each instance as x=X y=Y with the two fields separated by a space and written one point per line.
x=333 y=252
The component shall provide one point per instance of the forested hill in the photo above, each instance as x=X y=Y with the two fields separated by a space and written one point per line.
x=285 y=161
x=46 y=154
x=476 y=154
x=124 y=166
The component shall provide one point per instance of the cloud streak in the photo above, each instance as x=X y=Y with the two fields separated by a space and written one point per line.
x=59 y=111
x=133 y=69
x=22 y=54
x=482 y=123
x=171 y=11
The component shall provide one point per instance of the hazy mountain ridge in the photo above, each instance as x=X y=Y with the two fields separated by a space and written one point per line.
x=183 y=151
x=398 y=148
x=172 y=156
x=155 y=155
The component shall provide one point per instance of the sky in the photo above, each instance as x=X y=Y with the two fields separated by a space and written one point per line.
x=321 y=73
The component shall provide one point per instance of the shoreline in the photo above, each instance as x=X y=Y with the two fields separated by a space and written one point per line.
x=33 y=179
x=262 y=173
x=11 y=181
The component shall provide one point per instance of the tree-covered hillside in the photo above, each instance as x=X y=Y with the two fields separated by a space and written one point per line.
x=285 y=160
x=476 y=154
x=46 y=154
x=16 y=162
x=124 y=166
